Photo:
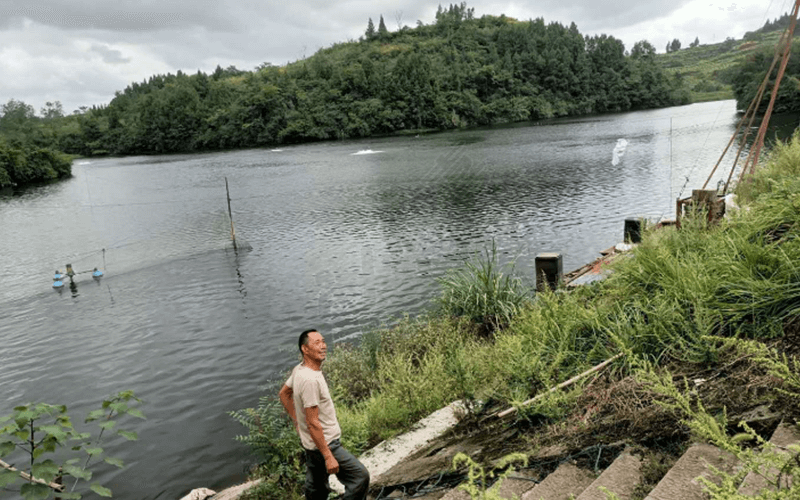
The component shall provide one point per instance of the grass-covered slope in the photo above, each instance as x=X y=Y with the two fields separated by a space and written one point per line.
x=709 y=70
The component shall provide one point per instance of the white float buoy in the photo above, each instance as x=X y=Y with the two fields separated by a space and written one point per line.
x=619 y=151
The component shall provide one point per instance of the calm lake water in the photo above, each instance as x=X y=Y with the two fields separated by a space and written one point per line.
x=337 y=241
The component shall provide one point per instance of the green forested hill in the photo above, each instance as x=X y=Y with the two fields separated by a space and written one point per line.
x=713 y=71
x=458 y=72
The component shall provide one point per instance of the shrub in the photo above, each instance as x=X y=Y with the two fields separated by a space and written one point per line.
x=482 y=292
x=271 y=436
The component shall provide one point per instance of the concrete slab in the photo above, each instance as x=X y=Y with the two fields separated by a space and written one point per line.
x=564 y=483
x=681 y=482
x=389 y=453
x=513 y=486
x=233 y=492
x=620 y=478
x=783 y=436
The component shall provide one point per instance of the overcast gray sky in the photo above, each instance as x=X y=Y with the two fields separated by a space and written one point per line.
x=80 y=52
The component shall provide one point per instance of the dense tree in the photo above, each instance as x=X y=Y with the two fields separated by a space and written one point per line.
x=458 y=72
x=52 y=110
x=695 y=43
x=748 y=77
x=370 y=33
x=673 y=46
x=382 y=31
x=20 y=165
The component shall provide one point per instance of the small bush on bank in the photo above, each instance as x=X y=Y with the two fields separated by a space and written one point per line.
x=484 y=292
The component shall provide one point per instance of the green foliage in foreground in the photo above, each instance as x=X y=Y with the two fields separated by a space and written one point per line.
x=37 y=429
x=765 y=459
x=478 y=477
x=275 y=443
x=28 y=165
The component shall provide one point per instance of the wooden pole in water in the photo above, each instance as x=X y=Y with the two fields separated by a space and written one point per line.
x=230 y=214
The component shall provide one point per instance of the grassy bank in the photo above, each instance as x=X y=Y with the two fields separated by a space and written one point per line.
x=708 y=70
x=669 y=304
x=741 y=279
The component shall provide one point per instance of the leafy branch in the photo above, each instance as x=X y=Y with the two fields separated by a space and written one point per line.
x=37 y=429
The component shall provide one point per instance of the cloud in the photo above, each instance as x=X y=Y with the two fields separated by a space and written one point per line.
x=109 y=55
x=142 y=16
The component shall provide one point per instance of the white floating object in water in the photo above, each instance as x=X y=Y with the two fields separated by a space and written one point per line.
x=365 y=152
x=276 y=150
x=619 y=151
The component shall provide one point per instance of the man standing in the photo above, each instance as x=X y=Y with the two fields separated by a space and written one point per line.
x=308 y=401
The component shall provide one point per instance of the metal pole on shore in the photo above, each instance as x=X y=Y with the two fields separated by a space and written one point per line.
x=230 y=214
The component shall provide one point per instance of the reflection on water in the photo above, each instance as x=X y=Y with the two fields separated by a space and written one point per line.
x=331 y=240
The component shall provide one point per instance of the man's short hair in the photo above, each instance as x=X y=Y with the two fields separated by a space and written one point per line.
x=303 y=340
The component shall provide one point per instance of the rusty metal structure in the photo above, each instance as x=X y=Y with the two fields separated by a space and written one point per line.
x=710 y=200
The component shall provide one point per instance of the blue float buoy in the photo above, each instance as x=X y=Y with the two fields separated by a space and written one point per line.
x=97 y=273
x=58 y=284
x=58 y=276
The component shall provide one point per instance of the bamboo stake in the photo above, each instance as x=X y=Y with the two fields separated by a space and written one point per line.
x=569 y=382
x=28 y=477
x=762 y=132
x=233 y=233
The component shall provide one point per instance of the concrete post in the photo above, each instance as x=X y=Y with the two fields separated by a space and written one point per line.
x=549 y=270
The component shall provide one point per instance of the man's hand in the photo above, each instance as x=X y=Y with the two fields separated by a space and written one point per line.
x=331 y=465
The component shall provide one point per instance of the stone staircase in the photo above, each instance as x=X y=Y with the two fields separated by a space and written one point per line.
x=569 y=482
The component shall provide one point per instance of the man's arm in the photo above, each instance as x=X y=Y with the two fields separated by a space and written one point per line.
x=315 y=429
x=286 y=396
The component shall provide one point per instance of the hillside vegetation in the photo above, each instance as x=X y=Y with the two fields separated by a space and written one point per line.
x=460 y=71
x=713 y=71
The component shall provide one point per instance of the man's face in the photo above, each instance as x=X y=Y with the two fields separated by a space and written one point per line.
x=316 y=348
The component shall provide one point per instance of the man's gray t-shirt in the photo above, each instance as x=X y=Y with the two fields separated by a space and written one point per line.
x=310 y=389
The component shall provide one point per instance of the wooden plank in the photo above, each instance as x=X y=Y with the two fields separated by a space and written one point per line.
x=569 y=382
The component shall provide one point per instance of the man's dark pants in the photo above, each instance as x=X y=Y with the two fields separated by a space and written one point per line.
x=352 y=474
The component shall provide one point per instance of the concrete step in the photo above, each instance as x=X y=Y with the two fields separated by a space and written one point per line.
x=513 y=486
x=681 y=482
x=620 y=478
x=564 y=483
x=783 y=436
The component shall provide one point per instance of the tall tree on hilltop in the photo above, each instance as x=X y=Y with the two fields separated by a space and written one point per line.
x=643 y=49
x=382 y=31
x=370 y=33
